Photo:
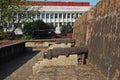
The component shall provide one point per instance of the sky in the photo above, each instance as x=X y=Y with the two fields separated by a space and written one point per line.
x=92 y=2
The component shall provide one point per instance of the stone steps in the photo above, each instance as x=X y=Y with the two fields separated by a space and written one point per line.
x=60 y=61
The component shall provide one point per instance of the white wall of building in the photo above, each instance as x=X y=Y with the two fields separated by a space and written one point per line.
x=57 y=15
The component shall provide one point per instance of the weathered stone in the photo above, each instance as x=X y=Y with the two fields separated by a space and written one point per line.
x=71 y=72
x=61 y=60
x=99 y=28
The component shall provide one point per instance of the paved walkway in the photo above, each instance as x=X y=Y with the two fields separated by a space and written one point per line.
x=21 y=69
x=80 y=72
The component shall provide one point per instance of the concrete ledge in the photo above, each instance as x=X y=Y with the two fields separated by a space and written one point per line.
x=45 y=43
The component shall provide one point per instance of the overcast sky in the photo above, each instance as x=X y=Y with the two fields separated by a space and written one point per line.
x=92 y=2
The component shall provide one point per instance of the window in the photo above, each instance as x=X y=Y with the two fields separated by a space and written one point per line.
x=43 y=15
x=51 y=15
x=76 y=15
x=56 y=15
x=38 y=16
x=20 y=15
x=60 y=15
x=64 y=15
x=47 y=15
x=68 y=15
x=80 y=14
x=33 y=16
x=72 y=15
x=60 y=23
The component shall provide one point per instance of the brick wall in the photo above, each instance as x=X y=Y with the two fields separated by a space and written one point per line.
x=99 y=28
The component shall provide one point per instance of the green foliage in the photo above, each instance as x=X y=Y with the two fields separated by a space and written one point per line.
x=7 y=7
x=1 y=35
x=9 y=10
x=66 y=29
x=37 y=29
x=7 y=35
x=26 y=37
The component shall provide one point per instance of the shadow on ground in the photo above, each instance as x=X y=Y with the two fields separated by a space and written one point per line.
x=9 y=67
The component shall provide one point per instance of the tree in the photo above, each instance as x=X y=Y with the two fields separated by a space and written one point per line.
x=8 y=8
x=37 y=29
x=66 y=29
x=1 y=32
x=13 y=12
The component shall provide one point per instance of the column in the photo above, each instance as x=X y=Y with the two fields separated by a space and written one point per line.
x=45 y=18
x=54 y=19
x=70 y=18
x=74 y=17
x=40 y=16
x=66 y=18
x=58 y=20
x=62 y=19
x=8 y=25
x=50 y=17
x=17 y=18
x=12 y=26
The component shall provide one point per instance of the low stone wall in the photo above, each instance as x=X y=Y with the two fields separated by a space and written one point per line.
x=47 y=43
x=39 y=43
x=99 y=28
x=12 y=50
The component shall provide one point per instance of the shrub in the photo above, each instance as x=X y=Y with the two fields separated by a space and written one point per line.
x=66 y=29
x=26 y=37
x=37 y=30
x=9 y=35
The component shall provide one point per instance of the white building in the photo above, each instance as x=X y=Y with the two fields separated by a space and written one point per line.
x=59 y=13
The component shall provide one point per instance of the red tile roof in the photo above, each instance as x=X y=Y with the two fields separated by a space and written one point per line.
x=57 y=3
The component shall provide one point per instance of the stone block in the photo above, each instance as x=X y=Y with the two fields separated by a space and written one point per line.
x=60 y=61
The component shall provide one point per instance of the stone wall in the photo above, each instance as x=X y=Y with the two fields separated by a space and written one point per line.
x=9 y=51
x=99 y=28
x=44 y=44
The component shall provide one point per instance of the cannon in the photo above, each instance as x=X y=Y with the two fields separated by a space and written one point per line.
x=51 y=53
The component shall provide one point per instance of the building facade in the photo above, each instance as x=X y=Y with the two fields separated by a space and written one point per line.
x=57 y=13
x=60 y=13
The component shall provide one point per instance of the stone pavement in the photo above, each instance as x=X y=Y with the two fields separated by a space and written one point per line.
x=71 y=72
x=55 y=72
x=21 y=67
